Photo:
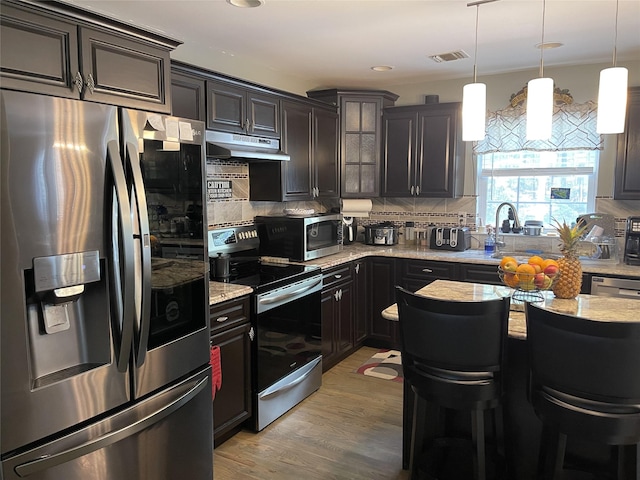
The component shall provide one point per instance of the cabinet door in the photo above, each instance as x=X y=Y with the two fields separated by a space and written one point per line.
x=296 y=141
x=226 y=107
x=344 y=318
x=187 y=96
x=381 y=275
x=360 y=302
x=399 y=154
x=325 y=153
x=627 y=186
x=328 y=300
x=263 y=114
x=38 y=54
x=121 y=71
x=232 y=403
x=360 y=146
x=438 y=173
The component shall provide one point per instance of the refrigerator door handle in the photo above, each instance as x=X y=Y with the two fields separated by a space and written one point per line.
x=122 y=257
x=49 y=461
x=144 y=307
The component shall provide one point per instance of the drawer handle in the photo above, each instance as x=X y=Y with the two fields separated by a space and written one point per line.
x=427 y=270
x=222 y=319
x=337 y=276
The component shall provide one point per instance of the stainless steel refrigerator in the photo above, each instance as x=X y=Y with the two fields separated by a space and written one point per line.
x=104 y=339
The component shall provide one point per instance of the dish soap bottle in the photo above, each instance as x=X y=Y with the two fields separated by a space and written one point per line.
x=489 y=242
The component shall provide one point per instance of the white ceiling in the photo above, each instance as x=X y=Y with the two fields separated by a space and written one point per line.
x=334 y=43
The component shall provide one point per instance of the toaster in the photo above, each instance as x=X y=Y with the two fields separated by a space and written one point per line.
x=450 y=238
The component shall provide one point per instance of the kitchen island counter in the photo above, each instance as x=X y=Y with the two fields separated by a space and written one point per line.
x=588 y=306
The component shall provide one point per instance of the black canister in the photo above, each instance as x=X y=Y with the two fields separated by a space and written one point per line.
x=219 y=267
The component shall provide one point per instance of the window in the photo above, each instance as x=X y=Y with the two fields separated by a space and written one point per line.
x=528 y=178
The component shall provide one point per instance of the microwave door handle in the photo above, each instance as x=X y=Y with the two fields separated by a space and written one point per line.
x=143 y=304
x=121 y=255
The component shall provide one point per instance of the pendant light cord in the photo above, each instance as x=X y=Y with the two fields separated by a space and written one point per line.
x=475 y=53
x=544 y=7
x=615 y=38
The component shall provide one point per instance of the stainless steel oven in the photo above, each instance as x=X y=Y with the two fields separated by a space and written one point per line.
x=286 y=348
x=300 y=238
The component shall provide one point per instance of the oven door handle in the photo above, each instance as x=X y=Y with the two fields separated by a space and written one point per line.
x=287 y=296
x=276 y=389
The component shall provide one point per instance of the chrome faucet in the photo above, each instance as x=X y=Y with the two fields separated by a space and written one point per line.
x=516 y=222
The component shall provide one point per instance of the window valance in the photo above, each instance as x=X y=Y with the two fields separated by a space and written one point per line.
x=573 y=128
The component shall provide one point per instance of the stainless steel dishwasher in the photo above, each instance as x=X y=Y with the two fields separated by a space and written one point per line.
x=615 y=287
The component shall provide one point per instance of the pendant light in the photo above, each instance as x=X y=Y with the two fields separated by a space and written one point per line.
x=612 y=94
x=474 y=95
x=540 y=99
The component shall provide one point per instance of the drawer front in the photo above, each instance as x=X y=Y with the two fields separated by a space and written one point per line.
x=229 y=314
x=421 y=269
x=336 y=275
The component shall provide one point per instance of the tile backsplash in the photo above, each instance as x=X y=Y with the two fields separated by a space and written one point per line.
x=236 y=209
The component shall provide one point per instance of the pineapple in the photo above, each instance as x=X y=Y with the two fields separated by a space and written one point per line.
x=568 y=284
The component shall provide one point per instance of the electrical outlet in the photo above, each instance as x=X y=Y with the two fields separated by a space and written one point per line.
x=462 y=219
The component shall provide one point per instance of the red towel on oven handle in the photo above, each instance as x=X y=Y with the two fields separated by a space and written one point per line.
x=216 y=369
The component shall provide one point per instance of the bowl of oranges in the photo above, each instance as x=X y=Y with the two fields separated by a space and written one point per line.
x=532 y=276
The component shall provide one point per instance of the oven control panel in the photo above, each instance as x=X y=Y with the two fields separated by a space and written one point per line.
x=232 y=239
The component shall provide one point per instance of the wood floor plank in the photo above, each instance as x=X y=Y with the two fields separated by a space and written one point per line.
x=350 y=429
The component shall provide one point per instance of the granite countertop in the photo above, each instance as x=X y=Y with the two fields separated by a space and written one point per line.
x=356 y=251
x=600 y=308
x=170 y=272
x=219 y=292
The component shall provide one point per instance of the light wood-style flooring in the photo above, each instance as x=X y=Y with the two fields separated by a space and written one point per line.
x=350 y=429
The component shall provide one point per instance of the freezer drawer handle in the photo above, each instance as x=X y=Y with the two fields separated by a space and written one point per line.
x=43 y=463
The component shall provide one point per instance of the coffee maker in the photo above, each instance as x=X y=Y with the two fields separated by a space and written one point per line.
x=632 y=241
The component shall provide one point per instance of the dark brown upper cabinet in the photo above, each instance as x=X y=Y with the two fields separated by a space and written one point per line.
x=187 y=93
x=61 y=50
x=627 y=184
x=309 y=137
x=236 y=108
x=360 y=138
x=422 y=152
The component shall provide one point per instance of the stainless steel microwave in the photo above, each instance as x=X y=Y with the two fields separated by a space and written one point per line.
x=300 y=238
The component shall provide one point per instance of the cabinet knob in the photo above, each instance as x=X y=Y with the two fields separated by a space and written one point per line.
x=417 y=189
x=411 y=189
x=357 y=268
x=336 y=295
x=251 y=334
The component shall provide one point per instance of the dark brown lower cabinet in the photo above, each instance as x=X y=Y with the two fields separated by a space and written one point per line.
x=361 y=307
x=381 y=281
x=337 y=302
x=231 y=331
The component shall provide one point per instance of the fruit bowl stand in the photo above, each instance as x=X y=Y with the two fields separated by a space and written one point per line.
x=527 y=287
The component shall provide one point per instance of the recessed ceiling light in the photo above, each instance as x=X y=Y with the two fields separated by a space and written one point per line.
x=382 y=68
x=246 y=3
x=549 y=45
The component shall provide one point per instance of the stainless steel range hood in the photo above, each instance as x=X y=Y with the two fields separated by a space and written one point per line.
x=225 y=146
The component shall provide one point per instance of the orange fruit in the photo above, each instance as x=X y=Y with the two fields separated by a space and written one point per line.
x=511 y=279
x=526 y=269
x=536 y=260
x=547 y=262
x=507 y=259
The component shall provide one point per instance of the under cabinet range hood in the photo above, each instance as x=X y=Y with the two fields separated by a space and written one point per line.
x=226 y=146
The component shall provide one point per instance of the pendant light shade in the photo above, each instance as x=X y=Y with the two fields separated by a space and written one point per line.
x=539 y=108
x=474 y=95
x=612 y=94
x=474 y=111
x=612 y=100
x=540 y=98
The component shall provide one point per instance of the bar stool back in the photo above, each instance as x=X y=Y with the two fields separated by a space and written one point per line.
x=452 y=356
x=585 y=383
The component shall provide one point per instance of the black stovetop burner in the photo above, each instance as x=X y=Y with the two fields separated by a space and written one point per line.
x=263 y=276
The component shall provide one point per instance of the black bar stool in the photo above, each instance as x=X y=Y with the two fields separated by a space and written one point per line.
x=585 y=384
x=452 y=357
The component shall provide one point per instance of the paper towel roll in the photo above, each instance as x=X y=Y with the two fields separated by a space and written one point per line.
x=356 y=207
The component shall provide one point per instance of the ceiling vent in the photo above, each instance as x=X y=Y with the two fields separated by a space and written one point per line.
x=449 y=56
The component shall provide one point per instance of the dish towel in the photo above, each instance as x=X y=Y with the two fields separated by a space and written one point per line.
x=216 y=369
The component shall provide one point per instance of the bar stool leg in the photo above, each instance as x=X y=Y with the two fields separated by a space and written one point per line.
x=478 y=438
